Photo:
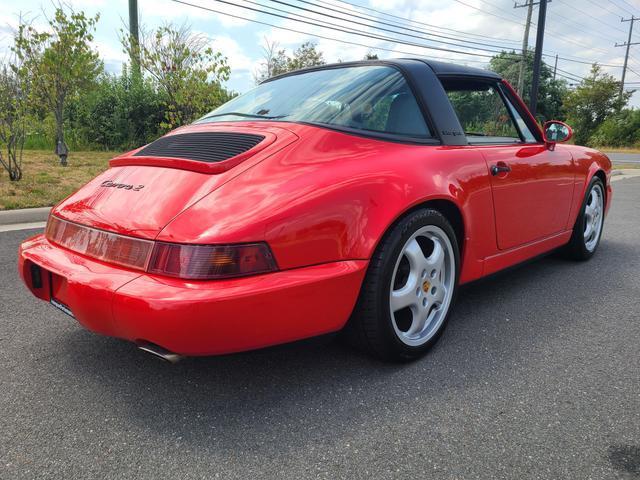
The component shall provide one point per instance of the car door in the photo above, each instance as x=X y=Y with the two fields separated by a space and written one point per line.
x=532 y=185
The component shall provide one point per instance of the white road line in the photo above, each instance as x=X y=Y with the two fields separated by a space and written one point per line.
x=22 y=226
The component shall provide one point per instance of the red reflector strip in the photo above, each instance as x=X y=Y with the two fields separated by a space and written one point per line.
x=106 y=246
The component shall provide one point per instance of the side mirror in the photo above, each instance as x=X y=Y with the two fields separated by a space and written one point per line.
x=556 y=132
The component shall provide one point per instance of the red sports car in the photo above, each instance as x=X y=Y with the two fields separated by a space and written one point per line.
x=355 y=196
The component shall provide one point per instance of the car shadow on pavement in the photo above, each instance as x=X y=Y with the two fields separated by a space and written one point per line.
x=322 y=389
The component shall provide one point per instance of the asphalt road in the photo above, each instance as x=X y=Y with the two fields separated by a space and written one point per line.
x=537 y=376
x=624 y=157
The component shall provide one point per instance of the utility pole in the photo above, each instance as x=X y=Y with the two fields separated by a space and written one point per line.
x=555 y=67
x=525 y=44
x=135 y=37
x=628 y=44
x=537 y=59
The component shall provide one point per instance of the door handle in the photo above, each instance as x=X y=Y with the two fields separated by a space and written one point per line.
x=500 y=168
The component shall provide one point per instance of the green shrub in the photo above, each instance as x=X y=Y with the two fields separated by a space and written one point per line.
x=620 y=130
x=122 y=113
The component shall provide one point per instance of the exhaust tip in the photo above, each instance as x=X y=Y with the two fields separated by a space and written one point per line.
x=159 y=352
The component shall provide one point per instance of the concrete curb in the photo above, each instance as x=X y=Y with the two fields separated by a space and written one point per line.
x=24 y=215
x=624 y=173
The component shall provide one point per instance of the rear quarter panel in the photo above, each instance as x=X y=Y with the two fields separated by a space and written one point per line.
x=587 y=162
x=332 y=196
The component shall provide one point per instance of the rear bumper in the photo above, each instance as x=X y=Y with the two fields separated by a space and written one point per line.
x=195 y=318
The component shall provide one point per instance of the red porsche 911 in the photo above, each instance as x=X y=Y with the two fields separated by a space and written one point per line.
x=353 y=197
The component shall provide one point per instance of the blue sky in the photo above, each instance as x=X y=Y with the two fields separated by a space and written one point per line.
x=578 y=30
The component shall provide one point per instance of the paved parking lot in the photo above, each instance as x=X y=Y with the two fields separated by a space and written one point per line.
x=537 y=376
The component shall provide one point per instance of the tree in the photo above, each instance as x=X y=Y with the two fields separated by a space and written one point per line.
x=60 y=63
x=13 y=112
x=592 y=102
x=187 y=71
x=371 y=56
x=551 y=92
x=276 y=61
x=619 y=130
x=306 y=55
x=121 y=113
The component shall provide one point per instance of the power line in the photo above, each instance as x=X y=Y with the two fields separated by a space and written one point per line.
x=313 y=21
x=618 y=6
x=569 y=74
x=603 y=6
x=567 y=77
x=324 y=37
x=633 y=71
x=501 y=9
x=549 y=31
x=352 y=31
x=368 y=25
x=394 y=25
x=595 y=18
x=574 y=24
x=407 y=20
x=565 y=74
x=532 y=23
x=489 y=13
x=631 y=6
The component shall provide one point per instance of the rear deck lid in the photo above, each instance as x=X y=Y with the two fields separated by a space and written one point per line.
x=145 y=189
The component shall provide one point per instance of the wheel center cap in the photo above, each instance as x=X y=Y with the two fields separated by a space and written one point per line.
x=426 y=285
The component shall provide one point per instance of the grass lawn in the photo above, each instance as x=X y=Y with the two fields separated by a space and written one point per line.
x=618 y=149
x=621 y=166
x=44 y=182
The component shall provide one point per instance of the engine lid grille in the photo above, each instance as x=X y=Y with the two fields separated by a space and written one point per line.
x=209 y=147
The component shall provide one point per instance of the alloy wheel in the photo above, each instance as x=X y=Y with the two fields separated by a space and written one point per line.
x=422 y=285
x=593 y=217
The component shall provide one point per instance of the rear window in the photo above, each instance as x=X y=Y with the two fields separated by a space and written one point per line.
x=367 y=98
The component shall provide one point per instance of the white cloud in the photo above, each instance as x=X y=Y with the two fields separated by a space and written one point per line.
x=236 y=57
x=167 y=10
x=110 y=52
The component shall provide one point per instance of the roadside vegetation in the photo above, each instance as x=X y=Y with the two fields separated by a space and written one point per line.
x=45 y=182
x=56 y=100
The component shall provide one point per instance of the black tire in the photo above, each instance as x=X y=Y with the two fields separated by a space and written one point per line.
x=577 y=249
x=370 y=327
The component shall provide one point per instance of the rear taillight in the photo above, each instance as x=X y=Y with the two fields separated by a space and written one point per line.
x=110 y=247
x=206 y=262
x=191 y=262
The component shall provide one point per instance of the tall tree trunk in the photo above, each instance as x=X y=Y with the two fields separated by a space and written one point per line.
x=61 y=148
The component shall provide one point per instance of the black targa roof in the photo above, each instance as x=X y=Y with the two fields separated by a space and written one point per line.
x=443 y=69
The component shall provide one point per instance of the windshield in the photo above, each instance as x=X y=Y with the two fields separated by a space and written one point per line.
x=370 y=98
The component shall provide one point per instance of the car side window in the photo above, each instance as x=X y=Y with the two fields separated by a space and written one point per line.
x=483 y=113
x=522 y=125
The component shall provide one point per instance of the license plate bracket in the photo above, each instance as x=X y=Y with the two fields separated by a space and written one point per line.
x=62 y=307
x=58 y=293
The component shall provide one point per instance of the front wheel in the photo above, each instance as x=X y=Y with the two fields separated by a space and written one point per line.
x=588 y=228
x=409 y=289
